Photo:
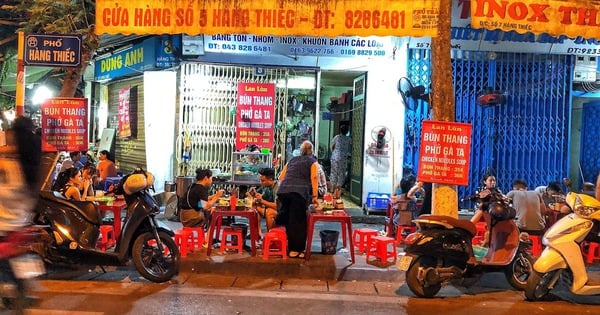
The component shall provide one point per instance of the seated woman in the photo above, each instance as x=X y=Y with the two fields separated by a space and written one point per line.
x=69 y=183
x=106 y=168
x=87 y=174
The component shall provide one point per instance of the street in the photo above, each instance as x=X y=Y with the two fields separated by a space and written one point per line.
x=197 y=293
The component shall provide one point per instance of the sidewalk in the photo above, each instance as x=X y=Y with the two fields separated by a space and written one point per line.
x=320 y=266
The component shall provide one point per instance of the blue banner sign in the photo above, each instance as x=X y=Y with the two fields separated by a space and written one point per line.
x=53 y=50
x=132 y=60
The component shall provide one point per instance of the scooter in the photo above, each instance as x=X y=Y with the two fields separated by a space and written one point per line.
x=441 y=250
x=72 y=230
x=562 y=255
x=19 y=267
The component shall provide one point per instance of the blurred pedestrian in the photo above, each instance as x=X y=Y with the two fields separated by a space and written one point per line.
x=20 y=161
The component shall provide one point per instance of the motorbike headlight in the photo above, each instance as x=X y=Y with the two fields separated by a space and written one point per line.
x=582 y=210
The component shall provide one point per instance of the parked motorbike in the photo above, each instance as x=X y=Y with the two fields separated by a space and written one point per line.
x=72 y=230
x=562 y=256
x=441 y=249
x=19 y=267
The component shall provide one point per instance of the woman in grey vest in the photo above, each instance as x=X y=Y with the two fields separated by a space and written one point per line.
x=298 y=184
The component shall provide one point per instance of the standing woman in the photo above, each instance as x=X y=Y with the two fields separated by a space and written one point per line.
x=298 y=186
x=340 y=147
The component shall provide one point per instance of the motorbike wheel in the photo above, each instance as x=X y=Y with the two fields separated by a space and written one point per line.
x=415 y=285
x=519 y=270
x=152 y=264
x=538 y=285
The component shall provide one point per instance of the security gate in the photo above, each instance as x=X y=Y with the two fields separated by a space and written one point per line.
x=526 y=137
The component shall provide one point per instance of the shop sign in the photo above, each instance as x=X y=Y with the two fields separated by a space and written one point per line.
x=445 y=153
x=571 y=18
x=269 y=17
x=343 y=46
x=465 y=37
x=133 y=60
x=53 y=50
x=64 y=124
x=255 y=115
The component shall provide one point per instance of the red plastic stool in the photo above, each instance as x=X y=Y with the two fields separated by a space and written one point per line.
x=361 y=237
x=275 y=243
x=184 y=240
x=480 y=235
x=379 y=247
x=592 y=253
x=536 y=245
x=197 y=236
x=402 y=228
x=107 y=234
x=230 y=243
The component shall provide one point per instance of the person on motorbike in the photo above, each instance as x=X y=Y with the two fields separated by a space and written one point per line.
x=530 y=208
x=489 y=185
x=597 y=195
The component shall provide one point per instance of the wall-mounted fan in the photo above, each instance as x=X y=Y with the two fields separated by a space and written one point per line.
x=410 y=93
x=490 y=97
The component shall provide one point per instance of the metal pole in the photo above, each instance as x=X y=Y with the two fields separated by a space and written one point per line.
x=20 y=92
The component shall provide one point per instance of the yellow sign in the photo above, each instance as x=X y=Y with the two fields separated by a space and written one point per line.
x=571 y=18
x=269 y=17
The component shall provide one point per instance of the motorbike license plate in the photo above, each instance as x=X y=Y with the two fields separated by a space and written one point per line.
x=27 y=266
x=404 y=262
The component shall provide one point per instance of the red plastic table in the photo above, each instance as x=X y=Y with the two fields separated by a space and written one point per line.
x=215 y=225
x=116 y=208
x=340 y=216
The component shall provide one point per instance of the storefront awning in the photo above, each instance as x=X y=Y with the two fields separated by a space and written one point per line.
x=32 y=75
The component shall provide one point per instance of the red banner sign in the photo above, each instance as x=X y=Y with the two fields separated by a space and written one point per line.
x=255 y=115
x=445 y=153
x=571 y=18
x=64 y=124
x=124 y=124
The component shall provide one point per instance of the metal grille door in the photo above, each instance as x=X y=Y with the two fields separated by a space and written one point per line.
x=527 y=137
x=207 y=114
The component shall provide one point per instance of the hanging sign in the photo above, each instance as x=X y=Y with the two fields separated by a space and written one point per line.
x=445 y=152
x=571 y=18
x=269 y=17
x=255 y=115
x=53 y=50
x=64 y=124
x=124 y=123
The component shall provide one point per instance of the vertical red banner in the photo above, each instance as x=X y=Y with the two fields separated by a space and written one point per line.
x=255 y=115
x=445 y=153
x=64 y=124
x=124 y=123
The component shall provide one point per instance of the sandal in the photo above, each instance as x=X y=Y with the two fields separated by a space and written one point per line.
x=294 y=254
x=301 y=255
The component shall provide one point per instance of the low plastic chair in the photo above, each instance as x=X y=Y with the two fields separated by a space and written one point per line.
x=361 y=237
x=379 y=246
x=228 y=241
x=274 y=243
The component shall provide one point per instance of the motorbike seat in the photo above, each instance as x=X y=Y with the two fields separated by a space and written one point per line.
x=461 y=224
x=88 y=209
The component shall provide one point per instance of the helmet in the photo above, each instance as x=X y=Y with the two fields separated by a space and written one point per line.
x=135 y=183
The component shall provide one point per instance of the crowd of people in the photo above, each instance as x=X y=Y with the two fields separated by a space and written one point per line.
x=77 y=175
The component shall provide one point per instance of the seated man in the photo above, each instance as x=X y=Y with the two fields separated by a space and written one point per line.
x=265 y=196
x=530 y=208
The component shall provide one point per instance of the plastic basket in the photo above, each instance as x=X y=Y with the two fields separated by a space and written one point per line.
x=377 y=200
